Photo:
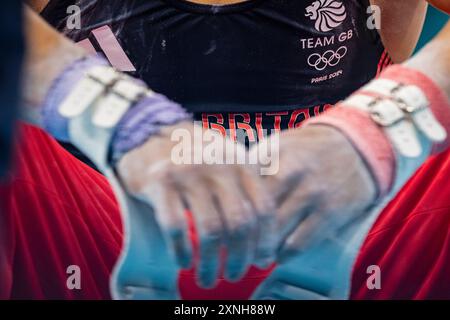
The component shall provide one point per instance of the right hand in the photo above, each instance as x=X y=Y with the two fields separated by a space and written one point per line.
x=229 y=203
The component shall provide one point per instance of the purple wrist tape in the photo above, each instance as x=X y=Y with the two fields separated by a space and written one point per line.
x=143 y=120
x=53 y=122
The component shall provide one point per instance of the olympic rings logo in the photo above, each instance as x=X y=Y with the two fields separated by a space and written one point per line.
x=329 y=58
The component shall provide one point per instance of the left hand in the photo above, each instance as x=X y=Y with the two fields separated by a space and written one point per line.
x=321 y=187
x=229 y=204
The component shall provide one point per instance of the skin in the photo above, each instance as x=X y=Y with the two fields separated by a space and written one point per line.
x=37 y=5
x=47 y=55
x=401 y=25
x=315 y=196
x=434 y=59
x=232 y=194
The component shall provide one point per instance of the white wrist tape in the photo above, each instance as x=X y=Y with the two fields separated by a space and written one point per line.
x=404 y=113
x=387 y=113
x=94 y=108
x=393 y=100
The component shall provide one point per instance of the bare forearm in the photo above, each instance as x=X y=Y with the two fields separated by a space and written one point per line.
x=434 y=60
x=401 y=26
x=48 y=54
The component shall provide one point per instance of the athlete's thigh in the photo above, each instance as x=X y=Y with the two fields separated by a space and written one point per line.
x=410 y=240
x=64 y=221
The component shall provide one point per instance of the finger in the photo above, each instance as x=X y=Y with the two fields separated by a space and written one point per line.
x=266 y=237
x=317 y=221
x=170 y=214
x=300 y=204
x=310 y=232
x=240 y=226
x=210 y=233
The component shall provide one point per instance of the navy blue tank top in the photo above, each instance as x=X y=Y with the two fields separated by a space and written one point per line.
x=10 y=61
x=261 y=63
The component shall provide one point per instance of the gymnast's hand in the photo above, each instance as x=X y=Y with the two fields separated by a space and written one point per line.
x=229 y=204
x=322 y=185
x=339 y=171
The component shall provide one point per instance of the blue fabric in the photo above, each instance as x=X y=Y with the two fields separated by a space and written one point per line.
x=11 y=55
x=433 y=24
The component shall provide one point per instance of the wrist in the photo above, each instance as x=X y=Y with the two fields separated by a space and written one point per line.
x=437 y=97
x=105 y=113
x=394 y=122
x=59 y=90
x=147 y=118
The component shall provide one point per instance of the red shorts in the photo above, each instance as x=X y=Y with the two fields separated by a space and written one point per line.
x=57 y=212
